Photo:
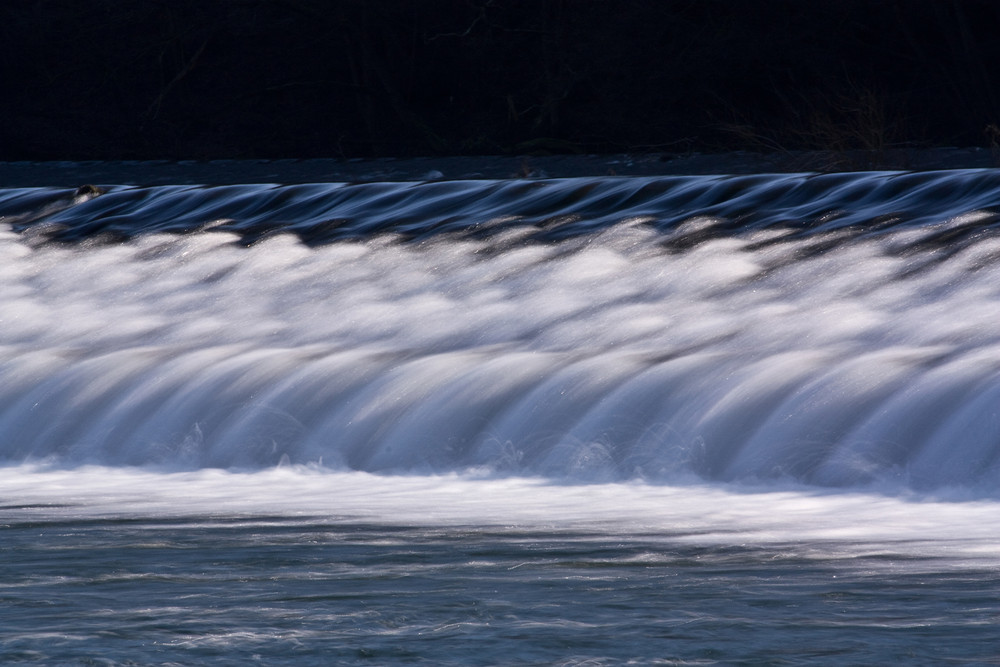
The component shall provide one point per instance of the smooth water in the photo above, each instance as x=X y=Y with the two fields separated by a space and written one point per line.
x=707 y=420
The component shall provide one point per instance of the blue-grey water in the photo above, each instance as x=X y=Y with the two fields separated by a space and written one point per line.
x=649 y=420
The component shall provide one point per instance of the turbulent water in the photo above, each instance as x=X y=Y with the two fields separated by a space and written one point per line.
x=707 y=420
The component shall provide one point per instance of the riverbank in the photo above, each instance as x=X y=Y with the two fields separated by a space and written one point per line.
x=124 y=79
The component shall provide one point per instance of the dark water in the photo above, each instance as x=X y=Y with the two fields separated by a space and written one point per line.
x=278 y=591
x=547 y=209
x=686 y=420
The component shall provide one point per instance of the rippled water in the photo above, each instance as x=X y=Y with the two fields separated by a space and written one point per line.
x=680 y=419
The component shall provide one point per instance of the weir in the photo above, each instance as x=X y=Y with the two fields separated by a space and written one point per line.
x=833 y=330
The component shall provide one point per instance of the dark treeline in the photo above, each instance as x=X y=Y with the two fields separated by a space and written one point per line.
x=112 y=79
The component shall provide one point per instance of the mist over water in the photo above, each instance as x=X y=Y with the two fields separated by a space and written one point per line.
x=802 y=368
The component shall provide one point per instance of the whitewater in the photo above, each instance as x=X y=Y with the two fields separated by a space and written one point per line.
x=677 y=420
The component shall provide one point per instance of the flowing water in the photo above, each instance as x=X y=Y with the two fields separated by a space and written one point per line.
x=668 y=420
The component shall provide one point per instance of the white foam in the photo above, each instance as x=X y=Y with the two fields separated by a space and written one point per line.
x=446 y=340
x=845 y=524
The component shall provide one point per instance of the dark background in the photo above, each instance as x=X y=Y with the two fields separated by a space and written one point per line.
x=203 y=79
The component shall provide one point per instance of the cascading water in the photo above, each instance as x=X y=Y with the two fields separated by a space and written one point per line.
x=602 y=329
x=805 y=366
